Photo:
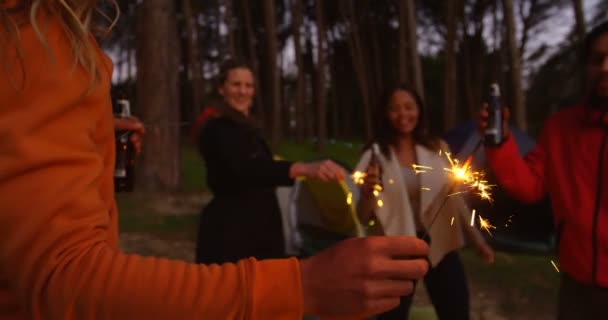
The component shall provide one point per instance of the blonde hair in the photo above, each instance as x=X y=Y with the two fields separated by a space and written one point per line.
x=76 y=18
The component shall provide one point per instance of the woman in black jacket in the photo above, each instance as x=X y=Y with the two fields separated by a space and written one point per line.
x=243 y=219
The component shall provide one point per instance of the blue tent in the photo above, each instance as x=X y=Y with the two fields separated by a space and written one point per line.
x=463 y=139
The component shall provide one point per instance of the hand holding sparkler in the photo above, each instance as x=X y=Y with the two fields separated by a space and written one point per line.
x=371 y=187
x=334 y=284
x=325 y=170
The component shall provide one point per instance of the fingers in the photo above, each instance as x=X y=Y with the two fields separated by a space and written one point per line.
x=136 y=140
x=506 y=114
x=396 y=247
x=401 y=269
x=131 y=124
x=329 y=171
x=385 y=288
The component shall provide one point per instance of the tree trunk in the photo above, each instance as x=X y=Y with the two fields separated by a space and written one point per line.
x=194 y=68
x=321 y=72
x=260 y=109
x=403 y=67
x=579 y=15
x=450 y=100
x=229 y=28
x=354 y=41
x=158 y=95
x=519 y=99
x=412 y=40
x=273 y=71
x=297 y=13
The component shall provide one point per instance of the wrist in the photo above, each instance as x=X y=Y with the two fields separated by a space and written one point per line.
x=307 y=296
x=296 y=170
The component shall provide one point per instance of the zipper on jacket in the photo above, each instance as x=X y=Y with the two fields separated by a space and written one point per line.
x=598 y=199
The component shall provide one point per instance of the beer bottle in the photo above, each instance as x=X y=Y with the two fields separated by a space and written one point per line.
x=124 y=170
x=494 y=130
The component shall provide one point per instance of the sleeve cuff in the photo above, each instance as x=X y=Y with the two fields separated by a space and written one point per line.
x=283 y=170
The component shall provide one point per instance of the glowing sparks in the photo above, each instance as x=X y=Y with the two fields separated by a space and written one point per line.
x=485 y=225
x=359 y=177
x=473 y=218
x=376 y=193
x=452 y=222
x=420 y=169
x=473 y=180
x=555 y=266
x=455 y=193
x=349 y=199
x=509 y=221
x=425 y=189
x=380 y=203
x=391 y=181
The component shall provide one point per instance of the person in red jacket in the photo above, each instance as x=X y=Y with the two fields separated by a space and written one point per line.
x=570 y=163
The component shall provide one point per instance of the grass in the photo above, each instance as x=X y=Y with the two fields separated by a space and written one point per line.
x=136 y=215
x=344 y=152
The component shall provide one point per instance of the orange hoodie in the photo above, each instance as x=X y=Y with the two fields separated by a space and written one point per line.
x=58 y=220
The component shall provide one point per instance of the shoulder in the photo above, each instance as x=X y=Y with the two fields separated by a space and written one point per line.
x=563 y=118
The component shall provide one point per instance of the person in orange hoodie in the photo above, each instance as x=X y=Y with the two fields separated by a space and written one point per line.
x=58 y=219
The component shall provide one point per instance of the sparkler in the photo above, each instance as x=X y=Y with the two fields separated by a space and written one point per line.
x=472 y=180
x=485 y=225
x=473 y=218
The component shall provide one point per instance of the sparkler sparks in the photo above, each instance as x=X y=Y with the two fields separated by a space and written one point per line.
x=485 y=225
x=555 y=266
x=473 y=181
x=349 y=199
x=359 y=177
x=425 y=189
x=473 y=218
x=420 y=169
x=452 y=222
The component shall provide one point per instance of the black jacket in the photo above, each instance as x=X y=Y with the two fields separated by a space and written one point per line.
x=243 y=219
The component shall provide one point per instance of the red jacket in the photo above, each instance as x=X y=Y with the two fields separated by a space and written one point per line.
x=570 y=163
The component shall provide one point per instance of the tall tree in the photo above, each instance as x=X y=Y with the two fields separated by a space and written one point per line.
x=228 y=13
x=412 y=40
x=449 y=98
x=579 y=16
x=158 y=94
x=250 y=38
x=519 y=99
x=402 y=59
x=321 y=72
x=274 y=86
x=359 y=62
x=194 y=67
x=297 y=13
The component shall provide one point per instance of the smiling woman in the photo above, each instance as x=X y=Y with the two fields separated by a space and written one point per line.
x=244 y=218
